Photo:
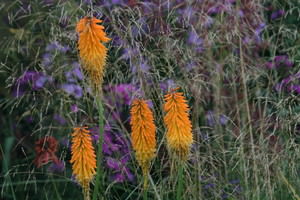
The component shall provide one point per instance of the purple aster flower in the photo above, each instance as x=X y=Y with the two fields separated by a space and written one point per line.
x=145 y=67
x=288 y=63
x=241 y=13
x=270 y=65
x=57 y=167
x=119 y=177
x=280 y=58
x=52 y=46
x=190 y=66
x=24 y=82
x=73 y=89
x=258 y=31
x=294 y=88
x=47 y=59
x=112 y=163
x=167 y=85
x=210 y=119
x=277 y=14
x=65 y=142
x=209 y=186
x=60 y=119
x=69 y=77
x=74 y=108
x=223 y=119
x=208 y=22
x=214 y=9
x=40 y=82
x=194 y=39
x=77 y=73
x=128 y=173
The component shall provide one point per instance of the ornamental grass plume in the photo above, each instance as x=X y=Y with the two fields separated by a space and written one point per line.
x=143 y=135
x=91 y=51
x=179 y=127
x=83 y=158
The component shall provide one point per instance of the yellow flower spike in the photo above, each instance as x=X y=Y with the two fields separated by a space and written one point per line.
x=179 y=128
x=143 y=135
x=91 y=51
x=83 y=158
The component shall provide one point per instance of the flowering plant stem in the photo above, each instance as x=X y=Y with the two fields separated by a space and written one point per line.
x=180 y=182
x=98 y=186
x=145 y=191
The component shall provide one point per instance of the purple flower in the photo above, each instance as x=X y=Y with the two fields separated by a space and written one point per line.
x=209 y=185
x=77 y=72
x=47 y=59
x=223 y=119
x=112 y=163
x=74 y=108
x=24 y=82
x=194 y=39
x=61 y=120
x=208 y=21
x=57 y=167
x=40 y=82
x=279 y=61
x=277 y=14
x=57 y=46
x=73 y=89
x=258 y=31
x=119 y=178
x=294 y=88
x=167 y=85
x=210 y=119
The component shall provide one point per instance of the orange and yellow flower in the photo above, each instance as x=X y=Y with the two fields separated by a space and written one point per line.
x=91 y=51
x=143 y=134
x=179 y=128
x=83 y=157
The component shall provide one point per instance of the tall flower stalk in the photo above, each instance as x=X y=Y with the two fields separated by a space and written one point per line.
x=83 y=158
x=179 y=132
x=143 y=135
x=93 y=55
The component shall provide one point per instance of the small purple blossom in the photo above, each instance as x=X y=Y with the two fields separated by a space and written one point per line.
x=223 y=119
x=57 y=46
x=73 y=89
x=194 y=39
x=60 y=119
x=167 y=85
x=277 y=14
x=57 y=167
x=26 y=82
x=74 y=108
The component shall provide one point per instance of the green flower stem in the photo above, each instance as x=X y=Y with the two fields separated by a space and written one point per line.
x=180 y=182
x=98 y=189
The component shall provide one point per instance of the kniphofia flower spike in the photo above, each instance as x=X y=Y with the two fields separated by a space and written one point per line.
x=91 y=50
x=143 y=135
x=179 y=128
x=83 y=158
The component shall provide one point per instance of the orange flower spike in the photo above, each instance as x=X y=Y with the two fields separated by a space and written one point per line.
x=91 y=51
x=83 y=158
x=143 y=135
x=179 y=128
